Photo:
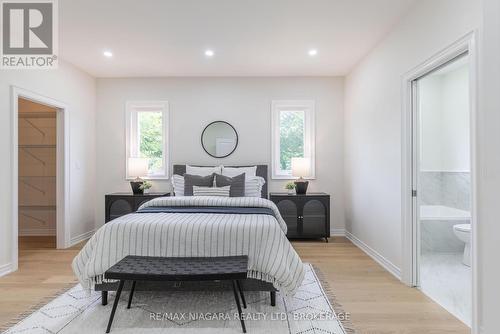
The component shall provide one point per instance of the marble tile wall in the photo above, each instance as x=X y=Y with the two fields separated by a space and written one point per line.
x=445 y=188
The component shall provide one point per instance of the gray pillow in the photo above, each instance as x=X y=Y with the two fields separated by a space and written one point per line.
x=196 y=180
x=237 y=184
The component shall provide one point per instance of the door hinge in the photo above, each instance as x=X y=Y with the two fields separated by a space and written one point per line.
x=414 y=193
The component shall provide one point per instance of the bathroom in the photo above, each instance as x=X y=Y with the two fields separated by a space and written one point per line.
x=444 y=188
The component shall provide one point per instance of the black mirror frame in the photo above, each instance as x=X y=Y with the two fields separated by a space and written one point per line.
x=235 y=146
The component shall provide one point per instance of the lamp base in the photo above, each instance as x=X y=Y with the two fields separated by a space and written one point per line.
x=136 y=187
x=301 y=187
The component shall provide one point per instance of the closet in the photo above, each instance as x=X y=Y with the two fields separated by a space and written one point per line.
x=37 y=137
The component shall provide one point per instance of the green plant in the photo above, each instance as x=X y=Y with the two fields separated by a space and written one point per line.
x=291 y=137
x=145 y=185
x=290 y=186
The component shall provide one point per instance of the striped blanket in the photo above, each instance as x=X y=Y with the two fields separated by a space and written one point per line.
x=260 y=236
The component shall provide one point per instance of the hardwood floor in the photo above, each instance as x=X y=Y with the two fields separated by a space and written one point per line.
x=377 y=302
x=43 y=271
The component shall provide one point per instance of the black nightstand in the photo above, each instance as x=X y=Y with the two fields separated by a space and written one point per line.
x=120 y=204
x=307 y=216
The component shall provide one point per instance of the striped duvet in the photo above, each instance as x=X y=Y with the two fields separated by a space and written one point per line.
x=262 y=237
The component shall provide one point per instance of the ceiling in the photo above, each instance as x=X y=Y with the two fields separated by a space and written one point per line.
x=249 y=37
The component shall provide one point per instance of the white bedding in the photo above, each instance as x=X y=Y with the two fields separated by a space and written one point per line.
x=260 y=236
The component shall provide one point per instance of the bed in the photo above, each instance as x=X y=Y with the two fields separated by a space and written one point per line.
x=197 y=226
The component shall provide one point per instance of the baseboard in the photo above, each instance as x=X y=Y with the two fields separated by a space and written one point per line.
x=388 y=265
x=5 y=269
x=337 y=232
x=81 y=237
x=37 y=232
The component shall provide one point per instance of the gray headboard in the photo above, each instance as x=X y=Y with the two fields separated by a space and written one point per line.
x=261 y=171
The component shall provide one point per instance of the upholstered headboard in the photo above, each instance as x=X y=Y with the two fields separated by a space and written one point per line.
x=261 y=171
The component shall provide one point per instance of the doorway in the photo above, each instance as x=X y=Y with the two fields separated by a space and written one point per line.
x=37 y=174
x=442 y=185
x=40 y=172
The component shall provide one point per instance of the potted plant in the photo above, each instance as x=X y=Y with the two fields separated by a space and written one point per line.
x=145 y=186
x=290 y=187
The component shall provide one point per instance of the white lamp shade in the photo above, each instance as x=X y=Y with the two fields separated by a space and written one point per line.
x=300 y=167
x=137 y=167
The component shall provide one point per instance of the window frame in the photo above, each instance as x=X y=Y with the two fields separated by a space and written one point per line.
x=132 y=108
x=308 y=106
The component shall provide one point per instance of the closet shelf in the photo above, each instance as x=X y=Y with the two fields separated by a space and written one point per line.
x=37 y=207
x=38 y=146
x=39 y=177
x=38 y=114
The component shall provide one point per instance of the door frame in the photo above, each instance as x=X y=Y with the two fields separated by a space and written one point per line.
x=63 y=168
x=409 y=244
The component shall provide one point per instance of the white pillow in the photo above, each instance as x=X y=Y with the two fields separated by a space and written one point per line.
x=203 y=171
x=253 y=186
x=211 y=191
x=178 y=184
x=235 y=171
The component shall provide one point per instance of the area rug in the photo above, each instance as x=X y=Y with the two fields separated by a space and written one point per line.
x=310 y=310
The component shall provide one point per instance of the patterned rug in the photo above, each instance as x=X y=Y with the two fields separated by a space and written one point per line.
x=310 y=310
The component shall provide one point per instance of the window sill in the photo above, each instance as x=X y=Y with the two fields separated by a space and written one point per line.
x=291 y=178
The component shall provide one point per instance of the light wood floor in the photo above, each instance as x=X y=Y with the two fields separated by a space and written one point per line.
x=377 y=302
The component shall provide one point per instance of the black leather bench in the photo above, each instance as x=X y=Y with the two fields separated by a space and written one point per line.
x=148 y=268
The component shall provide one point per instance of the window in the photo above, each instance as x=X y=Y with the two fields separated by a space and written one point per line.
x=292 y=136
x=147 y=136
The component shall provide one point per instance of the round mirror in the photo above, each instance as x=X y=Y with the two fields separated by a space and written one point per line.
x=219 y=139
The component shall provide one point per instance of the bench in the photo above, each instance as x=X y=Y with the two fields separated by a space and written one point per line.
x=148 y=268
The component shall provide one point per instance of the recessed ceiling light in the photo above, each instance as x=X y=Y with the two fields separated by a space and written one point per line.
x=107 y=54
x=209 y=53
x=313 y=52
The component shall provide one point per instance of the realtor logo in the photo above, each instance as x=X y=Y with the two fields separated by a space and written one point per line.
x=29 y=34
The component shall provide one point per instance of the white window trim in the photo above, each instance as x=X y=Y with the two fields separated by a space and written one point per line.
x=131 y=108
x=309 y=135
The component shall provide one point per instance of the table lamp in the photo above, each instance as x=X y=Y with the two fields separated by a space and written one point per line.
x=137 y=167
x=300 y=168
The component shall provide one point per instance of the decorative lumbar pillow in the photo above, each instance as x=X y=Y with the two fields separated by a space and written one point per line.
x=253 y=186
x=237 y=184
x=178 y=184
x=235 y=171
x=211 y=191
x=196 y=180
x=203 y=171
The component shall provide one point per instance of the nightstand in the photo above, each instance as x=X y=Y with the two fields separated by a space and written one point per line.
x=307 y=216
x=120 y=204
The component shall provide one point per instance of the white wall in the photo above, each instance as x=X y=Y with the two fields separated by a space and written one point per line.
x=76 y=89
x=489 y=169
x=373 y=118
x=444 y=121
x=243 y=102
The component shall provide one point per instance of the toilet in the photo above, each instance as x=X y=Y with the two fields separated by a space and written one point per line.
x=462 y=231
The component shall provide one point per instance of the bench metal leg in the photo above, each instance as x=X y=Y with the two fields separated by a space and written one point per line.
x=243 y=328
x=241 y=294
x=115 y=304
x=104 y=298
x=273 y=298
x=131 y=295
